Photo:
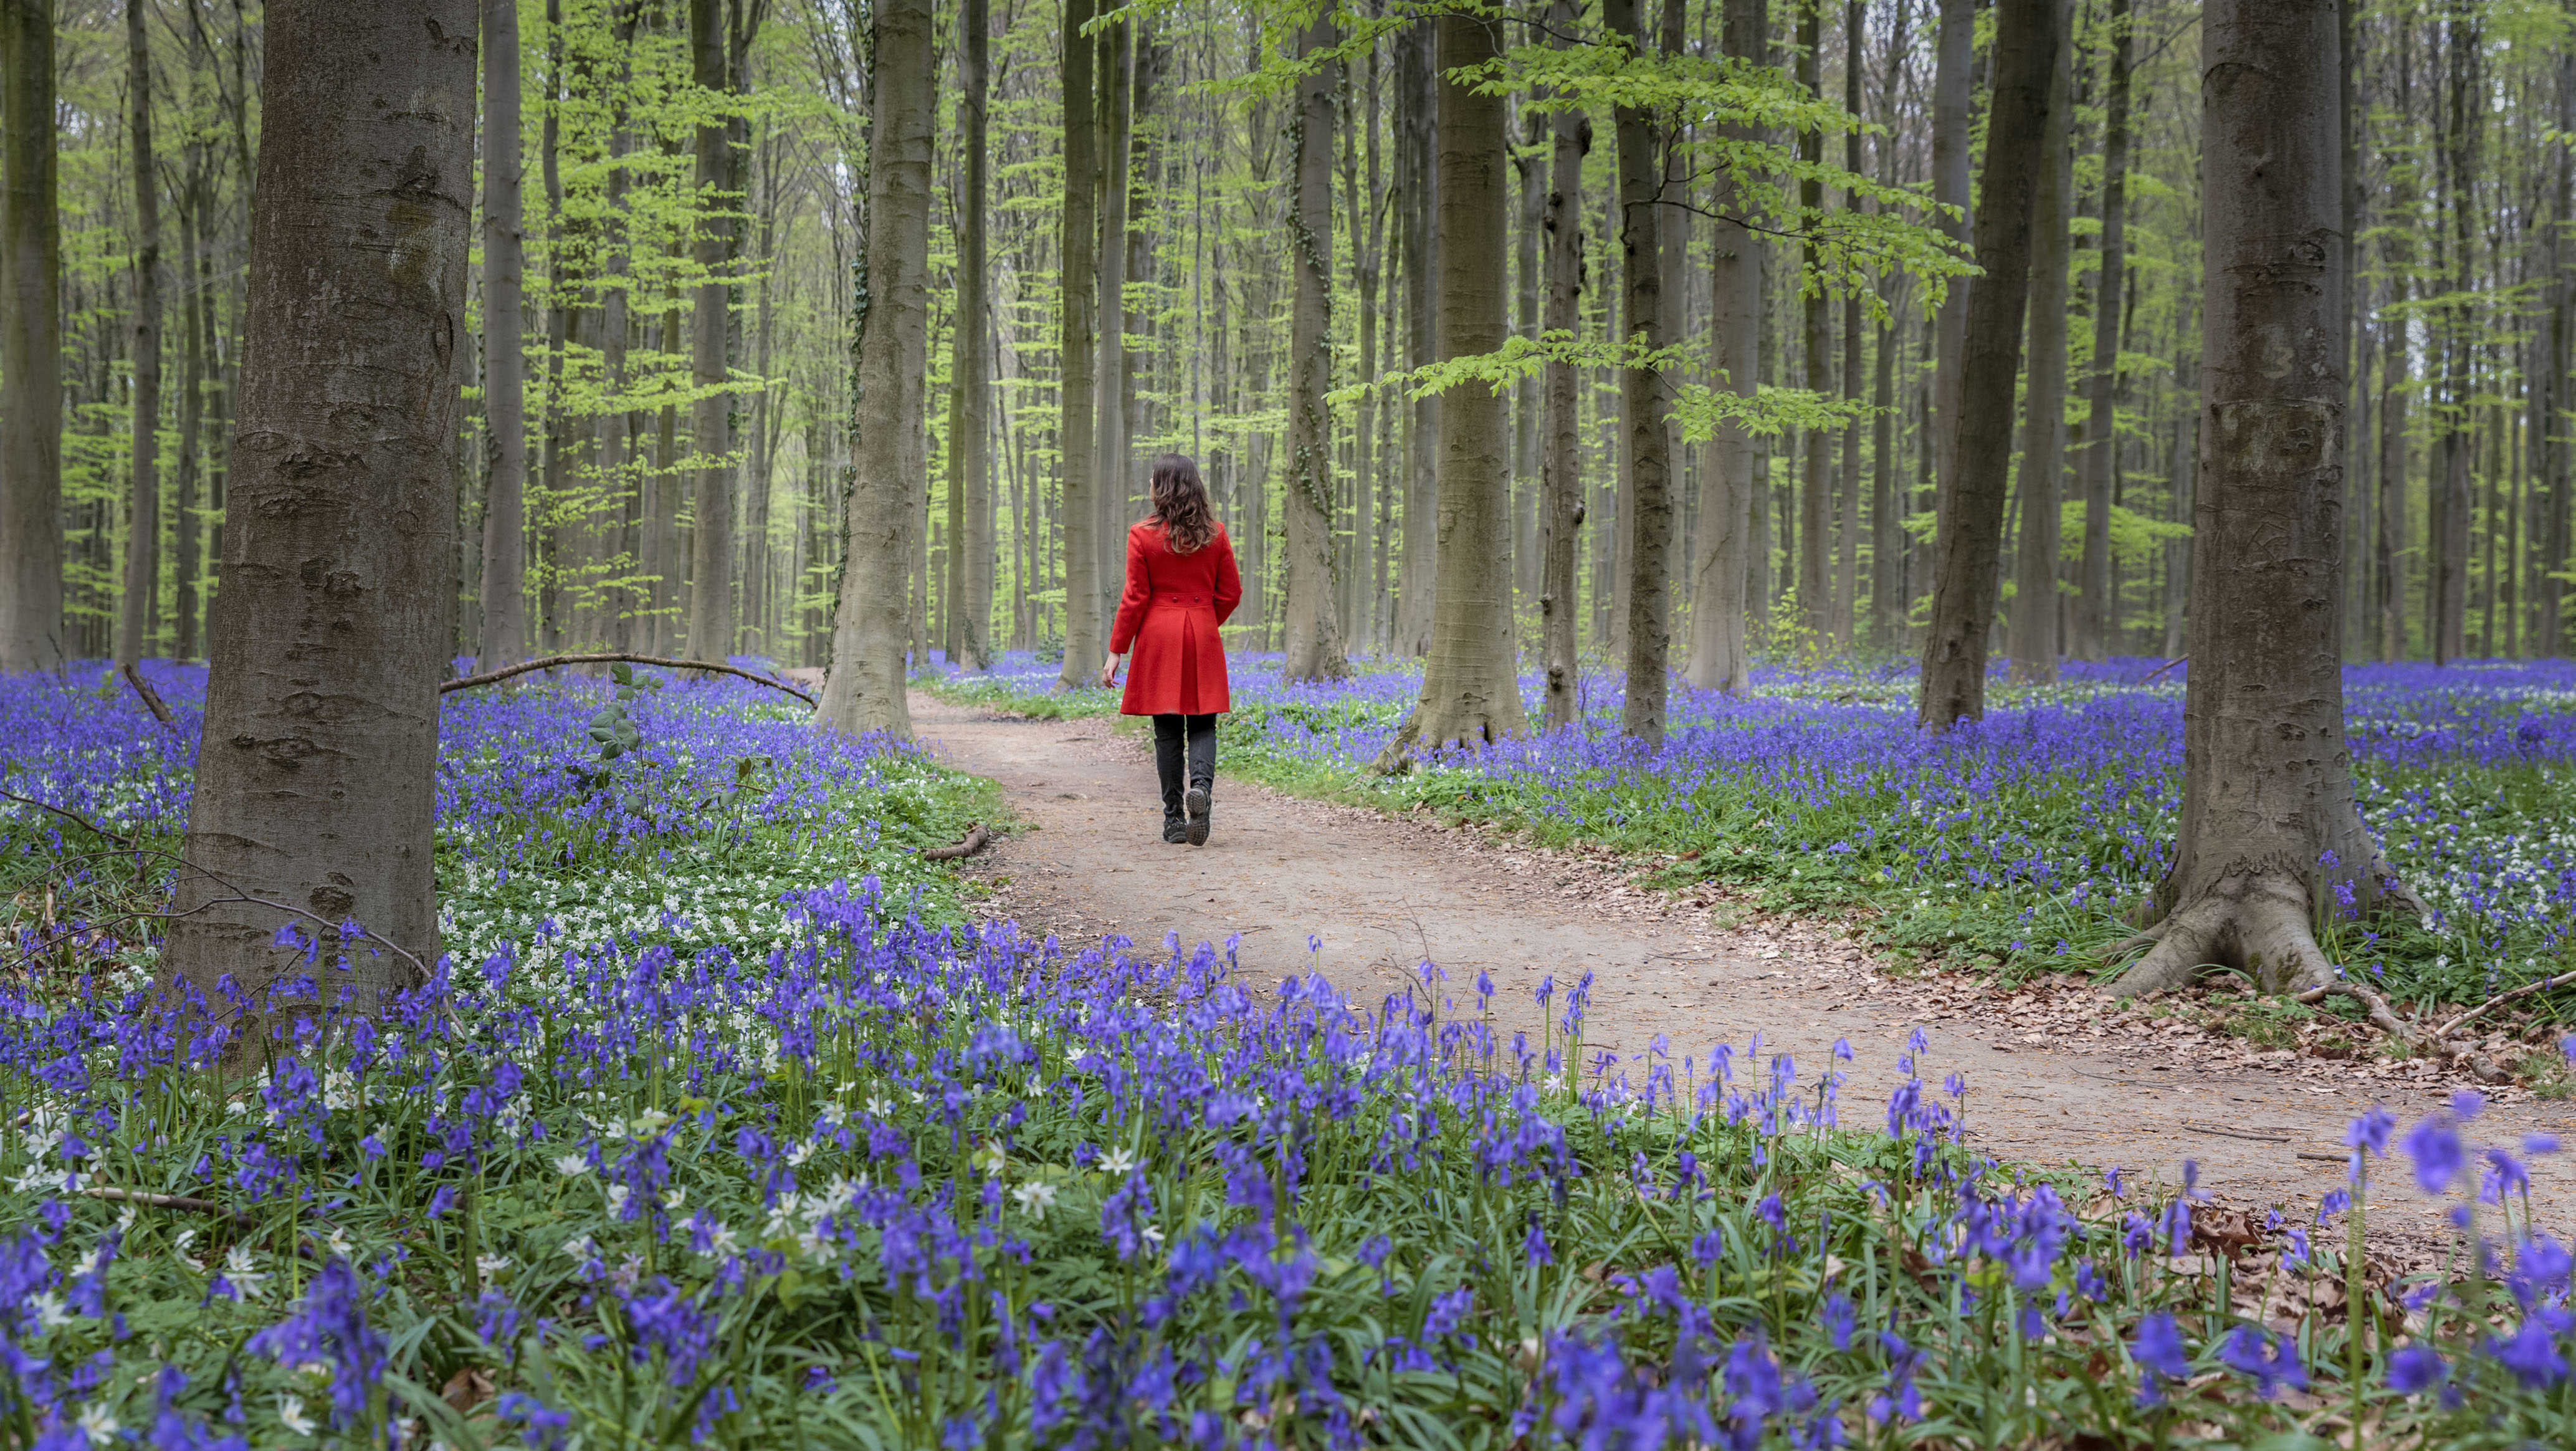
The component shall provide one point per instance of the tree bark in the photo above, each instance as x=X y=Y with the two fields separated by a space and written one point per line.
x=505 y=610
x=2094 y=605
x=1953 y=113
x=192 y=402
x=863 y=691
x=1722 y=571
x=970 y=472
x=1112 y=474
x=1560 y=478
x=1847 y=537
x=137 y=615
x=1966 y=576
x=2269 y=825
x=317 y=785
x=31 y=364
x=1418 y=86
x=711 y=609
x=1644 y=402
x=1078 y=255
x=2032 y=634
x=1470 y=693
x=1816 y=472
x=1314 y=633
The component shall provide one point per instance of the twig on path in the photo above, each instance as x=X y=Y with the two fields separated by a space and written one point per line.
x=609 y=657
x=2200 y=1128
x=142 y=687
x=2524 y=991
x=976 y=837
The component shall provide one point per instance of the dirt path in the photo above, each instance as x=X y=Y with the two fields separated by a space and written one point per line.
x=2049 y=1082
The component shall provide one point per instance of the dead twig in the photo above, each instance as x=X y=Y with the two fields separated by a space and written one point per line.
x=2524 y=991
x=2151 y=675
x=608 y=657
x=143 y=688
x=976 y=839
x=2382 y=1016
x=150 y=1200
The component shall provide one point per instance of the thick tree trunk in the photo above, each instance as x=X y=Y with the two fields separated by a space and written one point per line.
x=1079 y=256
x=317 y=785
x=711 y=607
x=1114 y=478
x=2032 y=635
x=970 y=472
x=1418 y=84
x=2093 y=604
x=1560 y=479
x=2553 y=484
x=192 y=405
x=1723 y=568
x=1966 y=576
x=1314 y=633
x=1470 y=693
x=2269 y=827
x=1953 y=113
x=31 y=364
x=864 y=689
x=1644 y=403
x=1816 y=470
x=505 y=611
x=137 y=616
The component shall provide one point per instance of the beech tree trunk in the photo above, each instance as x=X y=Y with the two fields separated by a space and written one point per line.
x=1079 y=256
x=1953 y=112
x=2270 y=833
x=505 y=610
x=1816 y=472
x=1560 y=478
x=2032 y=635
x=970 y=531
x=316 y=786
x=1967 y=576
x=1418 y=87
x=863 y=691
x=1117 y=97
x=2100 y=459
x=137 y=616
x=1722 y=571
x=1643 y=401
x=31 y=364
x=711 y=612
x=1314 y=633
x=1470 y=693
x=192 y=403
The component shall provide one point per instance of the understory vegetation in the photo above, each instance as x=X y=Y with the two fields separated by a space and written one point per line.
x=852 y=1169
x=2020 y=841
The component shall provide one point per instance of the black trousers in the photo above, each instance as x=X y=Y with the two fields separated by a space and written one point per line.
x=1169 y=751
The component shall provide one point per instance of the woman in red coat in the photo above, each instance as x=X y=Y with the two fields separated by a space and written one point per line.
x=1181 y=585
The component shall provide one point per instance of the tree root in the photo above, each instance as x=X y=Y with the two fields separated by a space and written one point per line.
x=2256 y=922
x=976 y=837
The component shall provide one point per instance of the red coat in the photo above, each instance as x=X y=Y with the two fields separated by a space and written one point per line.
x=1169 y=615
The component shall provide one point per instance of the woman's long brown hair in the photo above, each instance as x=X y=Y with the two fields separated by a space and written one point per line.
x=1181 y=505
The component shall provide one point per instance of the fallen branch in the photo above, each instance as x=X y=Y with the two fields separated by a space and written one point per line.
x=2151 y=675
x=2524 y=991
x=151 y=1200
x=143 y=688
x=976 y=838
x=2382 y=1016
x=609 y=657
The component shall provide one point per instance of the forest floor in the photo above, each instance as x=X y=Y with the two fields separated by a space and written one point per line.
x=2055 y=1075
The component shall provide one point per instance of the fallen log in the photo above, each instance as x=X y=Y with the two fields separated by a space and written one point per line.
x=976 y=839
x=611 y=657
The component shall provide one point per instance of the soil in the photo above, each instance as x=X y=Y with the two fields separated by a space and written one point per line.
x=2055 y=1075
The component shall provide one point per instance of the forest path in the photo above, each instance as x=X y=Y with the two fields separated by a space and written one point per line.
x=1382 y=894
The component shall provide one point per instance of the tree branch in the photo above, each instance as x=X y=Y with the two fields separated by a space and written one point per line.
x=605 y=657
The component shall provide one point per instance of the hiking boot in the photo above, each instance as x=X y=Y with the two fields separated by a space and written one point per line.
x=1196 y=805
x=1177 y=832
